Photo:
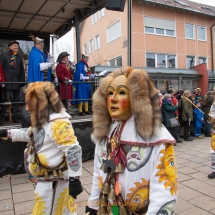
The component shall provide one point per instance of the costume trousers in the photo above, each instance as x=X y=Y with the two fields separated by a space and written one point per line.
x=15 y=98
x=52 y=198
x=213 y=153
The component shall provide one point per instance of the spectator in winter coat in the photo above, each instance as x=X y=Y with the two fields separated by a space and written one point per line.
x=187 y=114
x=199 y=119
x=168 y=112
x=64 y=77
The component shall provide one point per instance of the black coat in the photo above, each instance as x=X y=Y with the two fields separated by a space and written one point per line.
x=12 y=74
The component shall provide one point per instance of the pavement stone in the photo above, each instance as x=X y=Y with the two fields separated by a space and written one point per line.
x=196 y=191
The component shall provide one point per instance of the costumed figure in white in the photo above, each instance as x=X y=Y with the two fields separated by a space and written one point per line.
x=54 y=154
x=212 y=121
x=134 y=165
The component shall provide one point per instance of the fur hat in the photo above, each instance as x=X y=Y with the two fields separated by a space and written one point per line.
x=144 y=104
x=40 y=98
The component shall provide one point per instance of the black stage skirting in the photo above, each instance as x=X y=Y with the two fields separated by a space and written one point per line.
x=11 y=153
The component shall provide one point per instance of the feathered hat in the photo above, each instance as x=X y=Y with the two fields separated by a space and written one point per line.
x=40 y=98
x=144 y=100
x=36 y=39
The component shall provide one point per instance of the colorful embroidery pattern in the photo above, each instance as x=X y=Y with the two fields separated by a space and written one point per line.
x=33 y=166
x=138 y=199
x=39 y=207
x=64 y=201
x=13 y=59
x=213 y=142
x=167 y=170
x=63 y=133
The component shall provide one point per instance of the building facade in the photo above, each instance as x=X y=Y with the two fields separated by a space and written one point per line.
x=169 y=39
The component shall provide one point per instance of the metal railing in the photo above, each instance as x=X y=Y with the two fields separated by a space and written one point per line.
x=58 y=89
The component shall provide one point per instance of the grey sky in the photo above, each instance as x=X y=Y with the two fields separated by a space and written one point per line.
x=207 y=2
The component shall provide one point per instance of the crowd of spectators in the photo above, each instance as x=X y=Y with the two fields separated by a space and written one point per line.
x=190 y=109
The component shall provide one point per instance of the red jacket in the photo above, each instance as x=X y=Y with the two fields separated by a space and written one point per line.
x=63 y=73
x=2 y=79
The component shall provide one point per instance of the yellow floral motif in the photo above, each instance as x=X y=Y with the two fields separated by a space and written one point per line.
x=100 y=182
x=33 y=166
x=63 y=133
x=39 y=207
x=138 y=199
x=213 y=142
x=167 y=169
x=64 y=201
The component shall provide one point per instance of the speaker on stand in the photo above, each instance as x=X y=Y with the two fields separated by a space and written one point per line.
x=116 y=5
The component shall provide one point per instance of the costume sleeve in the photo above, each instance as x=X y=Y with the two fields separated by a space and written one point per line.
x=95 y=192
x=82 y=77
x=163 y=181
x=63 y=135
x=60 y=74
x=19 y=135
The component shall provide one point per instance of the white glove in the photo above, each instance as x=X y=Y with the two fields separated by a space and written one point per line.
x=92 y=76
x=44 y=66
x=70 y=81
x=82 y=77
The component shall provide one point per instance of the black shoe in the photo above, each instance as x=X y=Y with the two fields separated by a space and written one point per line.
x=207 y=134
x=88 y=113
x=179 y=141
x=212 y=175
x=81 y=114
x=188 y=139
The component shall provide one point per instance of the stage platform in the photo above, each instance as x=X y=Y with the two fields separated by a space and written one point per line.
x=11 y=153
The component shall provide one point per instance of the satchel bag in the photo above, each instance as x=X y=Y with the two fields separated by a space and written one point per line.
x=173 y=121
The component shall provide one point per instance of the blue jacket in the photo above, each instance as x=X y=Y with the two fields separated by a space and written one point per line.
x=198 y=115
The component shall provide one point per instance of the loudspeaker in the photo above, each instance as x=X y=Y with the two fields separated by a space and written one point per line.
x=117 y=5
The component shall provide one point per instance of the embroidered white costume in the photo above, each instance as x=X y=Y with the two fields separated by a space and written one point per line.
x=57 y=148
x=149 y=181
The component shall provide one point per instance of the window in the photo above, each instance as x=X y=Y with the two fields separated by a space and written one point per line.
x=202 y=60
x=115 y=61
x=97 y=41
x=101 y=13
x=94 y=18
x=149 y=30
x=182 y=3
x=114 y=31
x=150 y=60
x=201 y=33
x=160 y=60
x=189 y=31
x=190 y=62
x=161 y=63
x=208 y=9
x=159 y=26
x=91 y=46
x=85 y=49
x=159 y=31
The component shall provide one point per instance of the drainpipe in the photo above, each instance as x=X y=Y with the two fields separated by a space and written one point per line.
x=77 y=35
x=212 y=48
x=129 y=32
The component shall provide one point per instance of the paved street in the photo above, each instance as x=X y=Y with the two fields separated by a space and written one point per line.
x=196 y=191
